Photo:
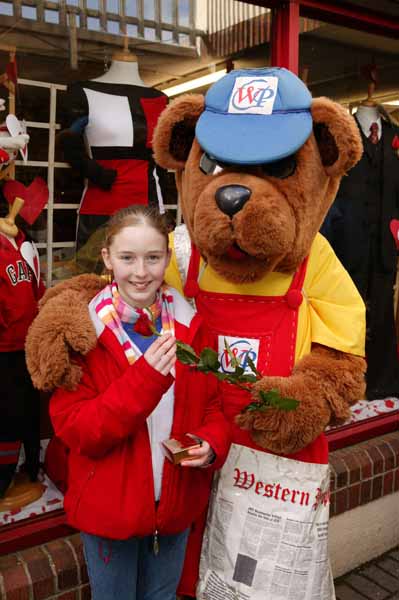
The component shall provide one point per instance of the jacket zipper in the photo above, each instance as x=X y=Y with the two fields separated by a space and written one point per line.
x=171 y=482
x=83 y=488
x=155 y=543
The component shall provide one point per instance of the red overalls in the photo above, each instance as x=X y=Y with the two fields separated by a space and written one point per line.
x=270 y=324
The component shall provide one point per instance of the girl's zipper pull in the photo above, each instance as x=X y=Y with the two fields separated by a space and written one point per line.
x=155 y=545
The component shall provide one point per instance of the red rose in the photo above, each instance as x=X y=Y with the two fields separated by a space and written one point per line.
x=144 y=326
x=395 y=143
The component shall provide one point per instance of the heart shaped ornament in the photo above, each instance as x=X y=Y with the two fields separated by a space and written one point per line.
x=30 y=254
x=394 y=227
x=15 y=129
x=35 y=197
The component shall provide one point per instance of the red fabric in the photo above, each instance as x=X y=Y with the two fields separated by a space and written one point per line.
x=56 y=463
x=19 y=295
x=152 y=108
x=273 y=321
x=373 y=136
x=9 y=452
x=110 y=481
x=129 y=187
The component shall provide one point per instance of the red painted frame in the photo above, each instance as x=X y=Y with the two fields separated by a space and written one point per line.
x=342 y=13
x=348 y=435
x=34 y=531
x=285 y=36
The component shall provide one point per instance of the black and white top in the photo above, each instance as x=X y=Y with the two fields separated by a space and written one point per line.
x=109 y=141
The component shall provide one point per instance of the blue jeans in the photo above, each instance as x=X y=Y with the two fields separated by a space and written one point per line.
x=129 y=569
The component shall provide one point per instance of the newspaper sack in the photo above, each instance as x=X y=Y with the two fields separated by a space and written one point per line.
x=266 y=532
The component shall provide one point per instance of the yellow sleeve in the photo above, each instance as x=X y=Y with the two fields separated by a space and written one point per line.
x=172 y=275
x=336 y=310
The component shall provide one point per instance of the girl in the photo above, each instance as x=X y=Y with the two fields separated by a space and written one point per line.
x=133 y=507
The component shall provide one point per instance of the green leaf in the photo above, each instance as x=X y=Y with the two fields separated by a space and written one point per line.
x=274 y=399
x=221 y=376
x=286 y=403
x=209 y=359
x=185 y=354
x=253 y=367
x=238 y=372
x=255 y=406
x=248 y=378
x=234 y=361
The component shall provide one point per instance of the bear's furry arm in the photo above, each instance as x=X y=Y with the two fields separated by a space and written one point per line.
x=63 y=327
x=325 y=382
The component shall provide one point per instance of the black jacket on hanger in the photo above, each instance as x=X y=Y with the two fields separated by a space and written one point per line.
x=347 y=224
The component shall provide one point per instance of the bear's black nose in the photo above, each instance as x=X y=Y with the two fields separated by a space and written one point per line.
x=231 y=198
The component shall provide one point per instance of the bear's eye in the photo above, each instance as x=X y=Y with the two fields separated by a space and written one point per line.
x=280 y=168
x=209 y=166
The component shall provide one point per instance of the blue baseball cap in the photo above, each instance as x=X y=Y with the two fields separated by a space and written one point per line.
x=255 y=116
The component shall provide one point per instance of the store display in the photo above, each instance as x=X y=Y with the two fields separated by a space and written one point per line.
x=20 y=290
x=358 y=227
x=114 y=117
x=20 y=403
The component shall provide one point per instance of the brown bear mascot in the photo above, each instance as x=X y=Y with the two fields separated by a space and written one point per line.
x=258 y=164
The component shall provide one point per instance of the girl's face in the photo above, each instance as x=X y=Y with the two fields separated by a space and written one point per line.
x=138 y=256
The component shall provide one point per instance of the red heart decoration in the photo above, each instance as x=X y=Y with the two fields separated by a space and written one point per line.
x=35 y=197
x=394 y=227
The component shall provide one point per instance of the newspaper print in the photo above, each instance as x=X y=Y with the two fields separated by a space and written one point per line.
x=266 y=535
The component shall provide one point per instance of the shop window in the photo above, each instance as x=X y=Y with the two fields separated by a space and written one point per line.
x=29 y=12
x=41 y=105
x=130 y=8
x=149 y=10
x=167 y=11
x=358 y=70
x=51 y=16
x=6 y=9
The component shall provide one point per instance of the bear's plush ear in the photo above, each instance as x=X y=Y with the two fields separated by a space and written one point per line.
x=175 y=131
x=337 y=136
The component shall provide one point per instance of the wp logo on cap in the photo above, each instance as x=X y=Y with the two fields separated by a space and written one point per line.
x=254 y=96
x=255 y=116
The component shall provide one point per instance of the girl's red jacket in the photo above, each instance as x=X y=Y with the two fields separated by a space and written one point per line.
x=110 y=484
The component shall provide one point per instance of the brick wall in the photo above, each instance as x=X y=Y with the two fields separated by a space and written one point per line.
x=365 y=472
x=57 y=570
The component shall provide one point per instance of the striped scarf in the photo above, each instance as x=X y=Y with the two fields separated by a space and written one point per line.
x=112 y=310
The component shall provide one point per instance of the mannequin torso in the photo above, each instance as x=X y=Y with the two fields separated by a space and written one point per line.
x=122 y=71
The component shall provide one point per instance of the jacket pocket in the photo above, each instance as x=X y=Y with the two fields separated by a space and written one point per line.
x=83 y=488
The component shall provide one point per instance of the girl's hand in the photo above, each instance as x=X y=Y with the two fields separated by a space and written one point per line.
x=203 y=456
x=161 y=355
